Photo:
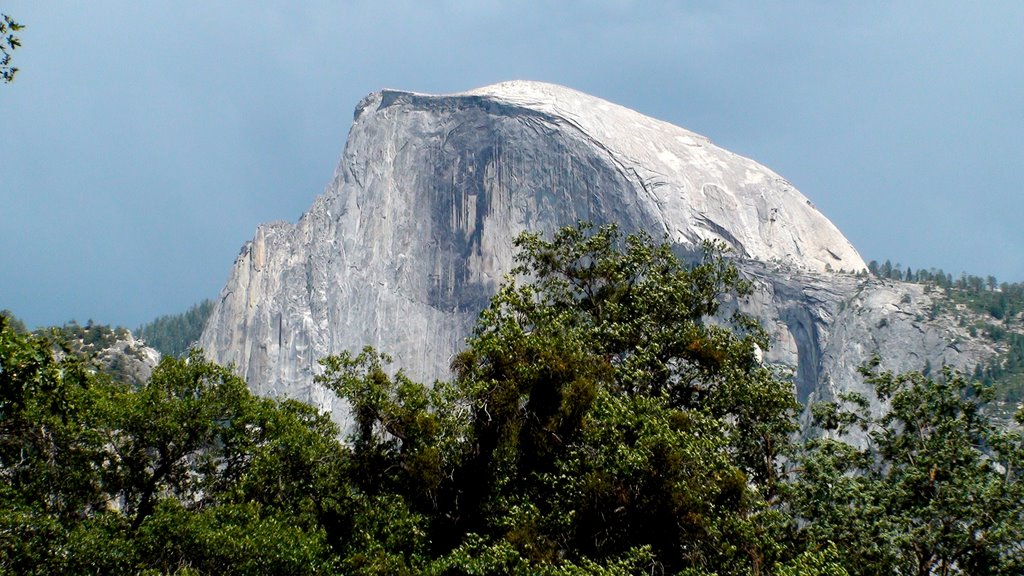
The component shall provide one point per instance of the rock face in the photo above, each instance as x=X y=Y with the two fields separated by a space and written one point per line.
x=413 y=235
x=114 y=351
x=824 y=327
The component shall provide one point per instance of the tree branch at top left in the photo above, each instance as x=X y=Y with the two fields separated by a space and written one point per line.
x=8 y=43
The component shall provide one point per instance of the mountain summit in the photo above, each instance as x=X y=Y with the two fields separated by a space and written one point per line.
x=413 y=234
x=693 y=188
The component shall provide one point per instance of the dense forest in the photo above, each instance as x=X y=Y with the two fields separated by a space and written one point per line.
x=174 y=334
x=595 y=424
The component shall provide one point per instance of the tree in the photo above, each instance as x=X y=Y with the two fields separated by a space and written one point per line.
x=169 y=432
x=933 y=487
x=598 y=414
x=186 y=473
x=42 y=444
x=886 y=269
x=13 y=321
x=8 y=43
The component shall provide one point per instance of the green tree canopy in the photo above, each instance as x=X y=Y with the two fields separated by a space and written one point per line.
x=931 y=487
x=188 y=473
x=598 y=414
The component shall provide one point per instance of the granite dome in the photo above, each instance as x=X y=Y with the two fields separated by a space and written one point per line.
x=414 y=232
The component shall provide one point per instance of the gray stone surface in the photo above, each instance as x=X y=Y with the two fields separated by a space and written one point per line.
x=825 y=326
x=413 y=235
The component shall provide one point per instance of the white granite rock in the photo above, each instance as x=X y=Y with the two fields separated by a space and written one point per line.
x=413 y=235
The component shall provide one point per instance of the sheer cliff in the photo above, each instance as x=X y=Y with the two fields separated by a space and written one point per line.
x=413 y=235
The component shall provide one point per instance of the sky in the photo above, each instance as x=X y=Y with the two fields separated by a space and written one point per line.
x=142 y=142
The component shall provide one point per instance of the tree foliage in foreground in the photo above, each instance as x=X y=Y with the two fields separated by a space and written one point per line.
x=933 y=488
x=186 y=474
x=596 y=417
x=598 y=422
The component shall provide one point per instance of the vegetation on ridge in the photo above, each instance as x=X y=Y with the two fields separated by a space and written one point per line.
x=987 y=309
x=174 y=334
x=597 y=423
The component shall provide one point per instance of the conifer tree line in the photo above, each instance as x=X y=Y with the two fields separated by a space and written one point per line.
x=1001 y=300
x=597 y=422
x=175 y=334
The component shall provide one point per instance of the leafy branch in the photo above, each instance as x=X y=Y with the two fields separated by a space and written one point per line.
x=8 y=44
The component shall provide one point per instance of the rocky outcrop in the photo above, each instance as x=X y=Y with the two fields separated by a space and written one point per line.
x=414 y=232
x=113 y=351
x=825 y=327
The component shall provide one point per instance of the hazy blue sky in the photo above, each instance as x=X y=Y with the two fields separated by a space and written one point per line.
x=142 y=142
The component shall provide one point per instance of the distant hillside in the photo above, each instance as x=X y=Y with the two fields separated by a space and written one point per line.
x=171 y=335
x=111 y=350
x=174 y=334
x=988 y=309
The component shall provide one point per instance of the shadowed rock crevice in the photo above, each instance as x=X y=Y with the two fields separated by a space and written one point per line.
x=802 y=327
